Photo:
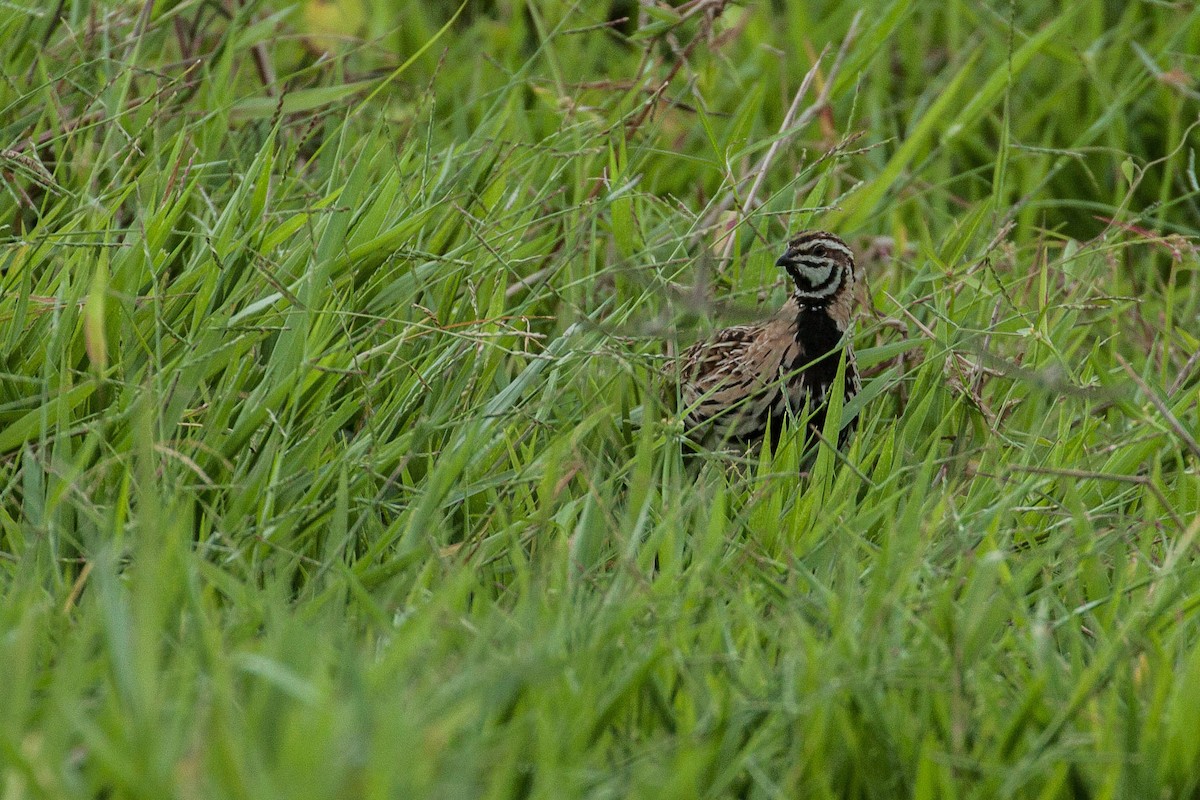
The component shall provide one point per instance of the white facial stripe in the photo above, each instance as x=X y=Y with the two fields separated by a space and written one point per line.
x=822 y=292
x=830 y=243
x=815 y=275
x=831 y=262
x=807 y=259
x=834 y=244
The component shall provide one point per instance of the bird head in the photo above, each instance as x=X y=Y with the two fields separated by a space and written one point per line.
x=821 y=264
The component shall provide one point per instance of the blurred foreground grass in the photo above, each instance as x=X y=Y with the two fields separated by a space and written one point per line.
x=333 y=461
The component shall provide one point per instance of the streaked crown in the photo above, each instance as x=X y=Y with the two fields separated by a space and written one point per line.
x=821 y=264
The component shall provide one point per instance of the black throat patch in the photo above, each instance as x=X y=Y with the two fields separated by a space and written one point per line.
x=818 y=334
x=817 y=366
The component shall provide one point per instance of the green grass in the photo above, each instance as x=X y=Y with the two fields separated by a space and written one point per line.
x=334 y=456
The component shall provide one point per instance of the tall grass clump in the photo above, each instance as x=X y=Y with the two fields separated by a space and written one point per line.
x=338 y=456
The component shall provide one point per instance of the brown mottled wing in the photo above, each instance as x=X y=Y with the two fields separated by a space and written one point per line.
x=731 y=382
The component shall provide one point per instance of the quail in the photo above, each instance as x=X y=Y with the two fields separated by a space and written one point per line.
x=743 y=382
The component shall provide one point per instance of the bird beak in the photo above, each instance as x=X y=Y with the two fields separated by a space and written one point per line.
x=783 y=261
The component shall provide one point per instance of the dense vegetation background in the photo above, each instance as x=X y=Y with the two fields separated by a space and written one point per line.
x=334 y=460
